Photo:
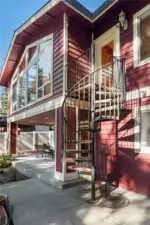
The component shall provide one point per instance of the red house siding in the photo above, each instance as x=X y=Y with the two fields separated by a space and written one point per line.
x=13 y=137
x=134 y=168
x=79 y=40
x=126 y=168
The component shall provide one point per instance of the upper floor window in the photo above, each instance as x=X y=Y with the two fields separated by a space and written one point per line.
x=14 y=96
x=34 y=73
x=142 y=37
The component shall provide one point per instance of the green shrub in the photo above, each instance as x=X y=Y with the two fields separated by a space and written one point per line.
x=5 y=161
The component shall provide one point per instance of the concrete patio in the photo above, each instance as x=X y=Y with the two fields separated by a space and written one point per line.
x=36 y=202
x=35 y=166
x=43 y=169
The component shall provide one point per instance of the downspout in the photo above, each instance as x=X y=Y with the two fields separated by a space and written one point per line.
x=65 y=76
x=65 y=59
x=93 y=117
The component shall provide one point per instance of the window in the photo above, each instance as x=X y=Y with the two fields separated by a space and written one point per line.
x=22 y=84
x=142 y=37
x=22 y=90
x=142 y=129
x=145 y=130
x=31 y=83
x=33 y=76
x=44 y=69
x=14 y=96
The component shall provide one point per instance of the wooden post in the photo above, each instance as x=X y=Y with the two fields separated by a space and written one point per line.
x=13 y=138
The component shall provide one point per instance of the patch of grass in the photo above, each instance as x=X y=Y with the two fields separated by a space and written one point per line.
x=5 y=161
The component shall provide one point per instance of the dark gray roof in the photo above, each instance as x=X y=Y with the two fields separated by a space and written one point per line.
x=102 y=7
x=86 y=12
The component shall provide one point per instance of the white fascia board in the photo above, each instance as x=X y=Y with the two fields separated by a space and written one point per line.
x=41 y=108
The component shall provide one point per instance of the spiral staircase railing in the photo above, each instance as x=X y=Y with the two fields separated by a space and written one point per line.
x=105 y=89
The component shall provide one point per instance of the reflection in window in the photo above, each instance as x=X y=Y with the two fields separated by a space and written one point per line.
x=44 y=69
x=14 y=96
x=32 y=53
x=35 y=68
x=21 y=90
x=22 y=65
x=32 y=83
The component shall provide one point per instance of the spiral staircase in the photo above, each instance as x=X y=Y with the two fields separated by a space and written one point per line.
x=92 y=97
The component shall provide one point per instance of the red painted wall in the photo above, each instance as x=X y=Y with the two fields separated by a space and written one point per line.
x=13 y=131
x=127 y=168
x=78 y=43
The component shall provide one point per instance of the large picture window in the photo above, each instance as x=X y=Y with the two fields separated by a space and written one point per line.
x=44 y=69
x=142 y=37
x=31 y=81
x=14 y=96
x=21 y=90
x=34 y=74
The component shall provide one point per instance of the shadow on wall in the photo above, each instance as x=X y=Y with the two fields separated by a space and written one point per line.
x=123 y=165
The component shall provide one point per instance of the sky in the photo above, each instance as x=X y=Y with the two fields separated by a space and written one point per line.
x=16 y=12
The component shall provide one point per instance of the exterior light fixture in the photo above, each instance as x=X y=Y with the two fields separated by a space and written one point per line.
x=123 y=21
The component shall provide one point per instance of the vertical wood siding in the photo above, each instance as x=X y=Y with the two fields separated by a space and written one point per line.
x=58 y=62
x=129 y=170
x=79 y=40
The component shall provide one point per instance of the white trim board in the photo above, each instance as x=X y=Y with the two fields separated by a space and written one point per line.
x=138 y=93
x=136 y=37
x=113 y=34
x=45 y=107
x=65 y=176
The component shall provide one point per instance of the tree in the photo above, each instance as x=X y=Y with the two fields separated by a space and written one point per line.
x=4 y=101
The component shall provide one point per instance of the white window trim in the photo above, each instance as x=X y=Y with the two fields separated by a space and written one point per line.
x=137 y=130
x=136 y=39
x=25 y=70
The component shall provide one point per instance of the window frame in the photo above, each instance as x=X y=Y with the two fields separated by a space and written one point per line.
x=136 y=36
x=15 y=77
x=138 y=147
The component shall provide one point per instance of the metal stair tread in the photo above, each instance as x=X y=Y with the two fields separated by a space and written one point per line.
x=86 y=141
x=86 y=176
x=79 y=168
x=84 y=122
x=104 y=118
x=82 y=160
x=85 y=129
x=108 y=100
x=107 y=93
x=73 y=151
x=107 y=108
x=74 y=160
x=72 y=141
